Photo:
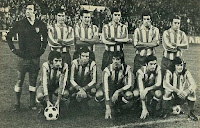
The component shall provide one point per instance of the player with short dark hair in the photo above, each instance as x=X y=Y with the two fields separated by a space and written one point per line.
x=179 y=88
x=146 y=38
x=53 y=80
x=61 y=36
x=174 y=40
x=114 y=35
x=32 y=39
x=149 y=81
x=83 y=78
x=86 y=35
x=117 y=83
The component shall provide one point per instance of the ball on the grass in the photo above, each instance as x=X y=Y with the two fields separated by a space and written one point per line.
x=51 y=113
x=176 y=110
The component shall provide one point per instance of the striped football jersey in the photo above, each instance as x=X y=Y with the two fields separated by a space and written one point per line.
x=83 y=75
x=56 y=32
x=144 y=35
x=170 y=37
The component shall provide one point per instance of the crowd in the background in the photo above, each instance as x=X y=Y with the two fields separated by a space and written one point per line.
x=12 y=10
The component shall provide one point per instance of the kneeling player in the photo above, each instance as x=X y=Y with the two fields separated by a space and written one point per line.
x=53 y=80
x=117 y=80
x=179 y=87
x=83 y=77
x=149 y=82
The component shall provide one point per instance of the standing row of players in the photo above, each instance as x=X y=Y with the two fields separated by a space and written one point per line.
x=171 y=83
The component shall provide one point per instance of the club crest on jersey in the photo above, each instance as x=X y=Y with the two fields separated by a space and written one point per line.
x=37 y=29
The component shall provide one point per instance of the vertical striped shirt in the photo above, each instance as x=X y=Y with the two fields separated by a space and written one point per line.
x=52 y=77
x=181 y=82
x=111 y=30
x=56 y=32
x=179 y=38
x=144 y=35
x=124 y=76
x=150 y=79
x=86 y=32
x=83 y=75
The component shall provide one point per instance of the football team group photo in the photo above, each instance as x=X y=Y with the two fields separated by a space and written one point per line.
x=105 y=63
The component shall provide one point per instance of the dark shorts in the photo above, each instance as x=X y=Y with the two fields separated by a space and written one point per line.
x=107 y=59
x=66 y=58
x=28 y=65
x=139 y=61
x=166 y=64
x=32 y=66
x=178 y=101
x=90 y=92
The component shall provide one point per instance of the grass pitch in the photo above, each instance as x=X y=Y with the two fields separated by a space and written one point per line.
x=95 y=117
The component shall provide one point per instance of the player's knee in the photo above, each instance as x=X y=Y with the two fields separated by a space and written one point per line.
x=66 y=94
x=93 y=91
x=136 y=93
x=129 y=95
x=40 y=97
x=167 y=93
x=158 y=94
x=99 y=95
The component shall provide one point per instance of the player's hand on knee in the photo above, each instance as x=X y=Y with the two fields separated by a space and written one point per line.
x=144 y=114
x=115 y=96
x=181 y=94
x=83 y=93
x=108 y=113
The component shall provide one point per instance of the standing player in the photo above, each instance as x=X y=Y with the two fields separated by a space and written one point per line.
x=173 y=41
x=86 y=34
x=53 y=80
x=114 y=34
x=117 y=81
x=179 y=88
x=83 y=77
x=32 y=37
x=61 y=36
x=146 y=38
x=149 y=81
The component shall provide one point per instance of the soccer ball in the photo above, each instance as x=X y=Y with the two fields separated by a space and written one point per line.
x=176 y=110
x=51 y=113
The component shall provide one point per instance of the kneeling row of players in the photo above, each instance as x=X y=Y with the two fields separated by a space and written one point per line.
x=120 y=89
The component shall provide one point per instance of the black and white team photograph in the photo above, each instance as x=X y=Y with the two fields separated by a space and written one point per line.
x=99 y=63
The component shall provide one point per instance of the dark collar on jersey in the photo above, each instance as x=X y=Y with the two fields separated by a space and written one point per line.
x=116 y=69
x=114 y=24
x=86 y=25
x=171 y=30
x=143 y=27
